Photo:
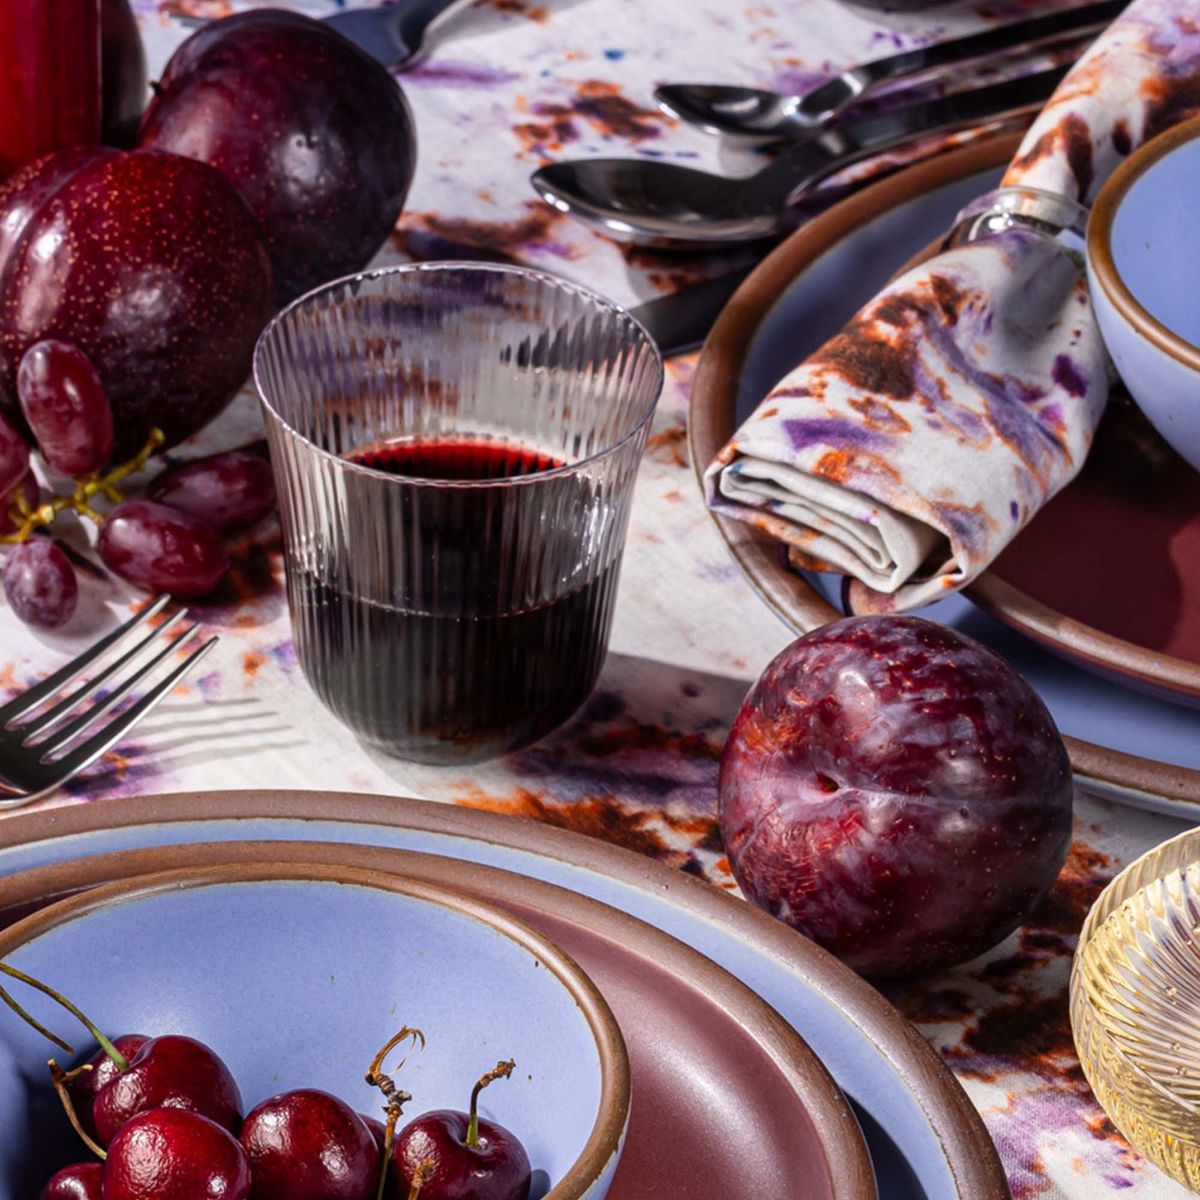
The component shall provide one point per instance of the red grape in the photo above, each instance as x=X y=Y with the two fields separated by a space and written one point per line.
x=14 y=456
x=226 y=491
x=29 y=487
x=40 y=583
x=66 y=407
x=162 y=550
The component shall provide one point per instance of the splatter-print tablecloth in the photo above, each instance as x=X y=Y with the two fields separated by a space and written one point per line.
x=509 y=84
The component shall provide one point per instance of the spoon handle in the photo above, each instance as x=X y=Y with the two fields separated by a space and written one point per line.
x=832 y=97
x=801 y=166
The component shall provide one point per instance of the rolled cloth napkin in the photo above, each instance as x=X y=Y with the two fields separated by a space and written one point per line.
x=915 y=444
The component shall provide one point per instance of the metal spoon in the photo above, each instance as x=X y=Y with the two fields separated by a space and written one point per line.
x=763 y=115
x=654 y=203
x=393 y=34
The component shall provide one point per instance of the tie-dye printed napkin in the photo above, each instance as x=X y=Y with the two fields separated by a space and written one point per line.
x=915 y=444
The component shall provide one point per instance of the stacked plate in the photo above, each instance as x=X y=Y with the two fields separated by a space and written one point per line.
x=759 y=1065
x=1111 y=641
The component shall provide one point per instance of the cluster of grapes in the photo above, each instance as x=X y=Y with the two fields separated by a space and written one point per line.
x=169 y=542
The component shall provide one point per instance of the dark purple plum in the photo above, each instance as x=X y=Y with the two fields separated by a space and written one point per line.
x=316 y=135
x=150 y=264
x=122 y=73
x=896 y=792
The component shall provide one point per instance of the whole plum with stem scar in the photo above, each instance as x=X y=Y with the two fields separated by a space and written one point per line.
x=315 y=134
x=896 y=792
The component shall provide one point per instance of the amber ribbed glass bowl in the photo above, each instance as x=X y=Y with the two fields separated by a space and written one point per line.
x=1135 y=1005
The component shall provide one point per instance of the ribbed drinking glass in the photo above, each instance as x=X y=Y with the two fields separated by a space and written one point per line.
x=455 y=446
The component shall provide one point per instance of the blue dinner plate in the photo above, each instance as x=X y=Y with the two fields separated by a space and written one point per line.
x=1127 y=745
x=927 y=1142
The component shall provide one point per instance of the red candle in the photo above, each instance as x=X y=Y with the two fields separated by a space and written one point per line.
x=49 y=77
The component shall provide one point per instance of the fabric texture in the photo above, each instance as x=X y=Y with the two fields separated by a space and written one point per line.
x=912 y=447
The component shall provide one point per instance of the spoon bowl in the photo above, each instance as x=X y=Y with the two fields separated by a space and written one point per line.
x=654 y=203
x=748 y=113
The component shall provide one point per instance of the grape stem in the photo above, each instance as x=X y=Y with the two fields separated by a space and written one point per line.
x=29 y=519
x=396 y=1099
x=502 y=1070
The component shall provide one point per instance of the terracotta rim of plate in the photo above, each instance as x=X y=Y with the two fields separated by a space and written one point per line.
x=608 y=1130
x=848 y=1161
x=973 y=1160
x=1102 y=265
x=711 y=415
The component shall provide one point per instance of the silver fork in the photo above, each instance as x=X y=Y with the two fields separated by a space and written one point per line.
x=37 y=748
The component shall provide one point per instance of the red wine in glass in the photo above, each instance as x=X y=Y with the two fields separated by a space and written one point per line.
x=50 y=89
x=480 y=677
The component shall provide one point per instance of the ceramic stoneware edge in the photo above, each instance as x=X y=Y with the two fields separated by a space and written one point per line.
x=971 y=1157
x=1099 y=243
x=847 y=1160
x=597 y=1160
x=711 y=419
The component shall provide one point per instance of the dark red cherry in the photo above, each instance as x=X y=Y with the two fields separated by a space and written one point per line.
x=377 y=1128
x=495 y=1168
x=83 y=1087
x=169 y=1154
x=451 y=1155
x=169 y=1072
x=80 y=1181
x=309 y=1145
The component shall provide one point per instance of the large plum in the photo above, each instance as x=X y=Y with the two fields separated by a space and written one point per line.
x=316 y=135
x=149 y=263
x=897 y=792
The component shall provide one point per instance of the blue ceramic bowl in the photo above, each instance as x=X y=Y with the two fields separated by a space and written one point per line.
x=1143 y=248
x=296 y=975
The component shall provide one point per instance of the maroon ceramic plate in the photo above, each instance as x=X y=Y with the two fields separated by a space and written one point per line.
x=727 y=1099
x=1108 y=573
x=1104 y=565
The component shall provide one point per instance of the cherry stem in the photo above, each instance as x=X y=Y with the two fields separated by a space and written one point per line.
x=396 y=1099
x=121 y=1061
x=80 y=499
x=422 y=1175
x=502 y=1070
x=34 y=1023
x=61 y=1079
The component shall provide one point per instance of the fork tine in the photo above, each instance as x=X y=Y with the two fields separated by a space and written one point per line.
x=90 y=716
x=53 y=716
x=86 y=754
x=32 y=697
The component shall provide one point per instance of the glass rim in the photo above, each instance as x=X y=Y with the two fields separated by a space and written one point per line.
x=447 y=265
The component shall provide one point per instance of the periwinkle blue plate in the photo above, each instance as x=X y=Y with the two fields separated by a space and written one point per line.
x=296 y=976
x=926 y=1140
x=1125 y=745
